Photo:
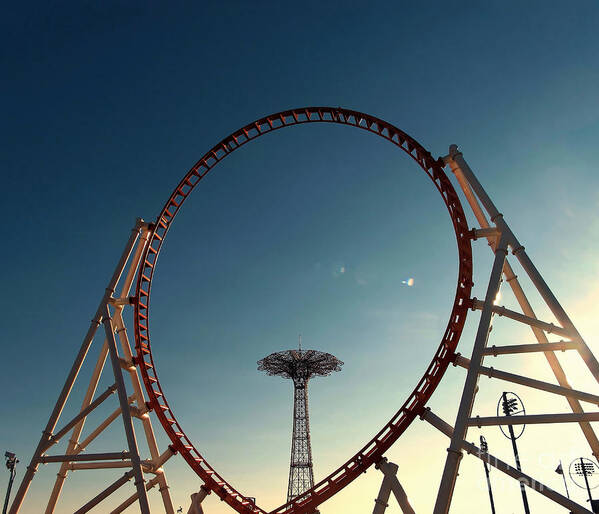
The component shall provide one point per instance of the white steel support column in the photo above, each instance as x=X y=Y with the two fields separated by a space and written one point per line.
x=44 y=442
x=196 y=501
x=454 y=452
x=136 y=383
x=74 y=446
x=473 y=188
x=145 y=419
x=391 y=483
x=380 y=502
x=74 y=456
x=126 y=414
x=459 y=162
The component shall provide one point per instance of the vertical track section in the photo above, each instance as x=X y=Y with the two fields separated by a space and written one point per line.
x=373 y=451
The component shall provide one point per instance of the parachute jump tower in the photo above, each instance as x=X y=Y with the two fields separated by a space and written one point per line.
x=300 y=366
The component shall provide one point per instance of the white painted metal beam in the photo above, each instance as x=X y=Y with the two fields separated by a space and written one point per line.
x=454 y=452
x=532 y=419
x=532 y=348
x=76 y=367
x=530 y=382
x=550 y=328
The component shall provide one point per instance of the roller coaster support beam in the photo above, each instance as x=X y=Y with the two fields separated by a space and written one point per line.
x=521 y=477
x=64 y=394
x=530 y=382
x=454 y=452
x=75 y=446
x=159 y=480
x=390 y=483
x=196 y=501
x=109 y=313
x=531 y=348
x=474 y=192
x=460 y=167
x=532 y=419
x=133 y=498
x=126 y=414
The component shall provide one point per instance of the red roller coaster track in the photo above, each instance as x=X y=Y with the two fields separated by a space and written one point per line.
x=412 y=407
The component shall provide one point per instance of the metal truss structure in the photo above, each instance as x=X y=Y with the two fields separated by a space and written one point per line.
x=131 y=406
x=300 y=366
x=390 y=484
x=141 y=254
x=501 y=239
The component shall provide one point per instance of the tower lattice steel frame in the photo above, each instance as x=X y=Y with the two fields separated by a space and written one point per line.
x=300 y=366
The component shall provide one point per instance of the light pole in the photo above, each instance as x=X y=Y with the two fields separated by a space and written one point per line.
x=484 y=447
x=11 y=464
x=560 y=471
x=585 y=468
x=512 y=405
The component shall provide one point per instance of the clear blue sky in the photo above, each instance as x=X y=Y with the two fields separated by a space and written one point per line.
x=312 y=229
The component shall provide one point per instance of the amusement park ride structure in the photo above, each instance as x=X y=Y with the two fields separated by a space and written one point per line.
x=138 y=263
x=300 y=366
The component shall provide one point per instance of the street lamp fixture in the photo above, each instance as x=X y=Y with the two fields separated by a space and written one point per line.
x=585 y=468
x=511 y=405
x=484 y=448
x=11 y=464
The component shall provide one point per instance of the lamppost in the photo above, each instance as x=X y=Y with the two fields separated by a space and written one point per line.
x=484 y=447
x=11 y=464
x=585 y=468
x=511 y=405
x=560 y=471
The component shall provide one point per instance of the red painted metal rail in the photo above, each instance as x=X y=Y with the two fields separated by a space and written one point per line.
x=412 y=407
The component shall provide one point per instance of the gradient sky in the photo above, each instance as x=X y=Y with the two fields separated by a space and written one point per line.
x=310 y=230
